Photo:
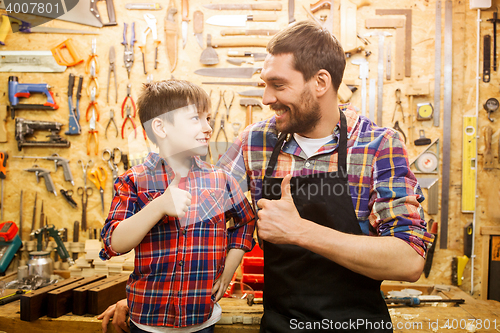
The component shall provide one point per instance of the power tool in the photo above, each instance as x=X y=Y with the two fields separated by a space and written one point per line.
x=26 y=129
x=9 y=244
x=17 y=90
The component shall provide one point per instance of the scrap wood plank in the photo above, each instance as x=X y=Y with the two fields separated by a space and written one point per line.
x=399 y=25
x=60 y=301
x=34 y=304
x=407 y=13
x=99 y=298
x=80 y=295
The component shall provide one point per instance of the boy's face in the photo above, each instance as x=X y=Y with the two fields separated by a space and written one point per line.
x=190 y=133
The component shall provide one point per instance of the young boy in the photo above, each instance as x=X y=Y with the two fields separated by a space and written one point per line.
x=178 y=230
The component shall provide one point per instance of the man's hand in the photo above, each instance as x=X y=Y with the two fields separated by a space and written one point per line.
x=119 y=313
x=175 y=200
x=279 y=220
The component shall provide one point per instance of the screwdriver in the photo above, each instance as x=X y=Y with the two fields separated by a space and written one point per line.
x=3 y=172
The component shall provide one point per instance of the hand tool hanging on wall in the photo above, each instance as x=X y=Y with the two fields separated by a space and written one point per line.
x=209 y=56
x=252 y=93
x=422 y=140
x=398 y=106
x=24 y=90
x=113 y=157
x=128 y=51
x=236 y=129
x=3 y=175
x=469 y=164
x=491 y=106
x=92 y=59
x=33 y=220
x=112 y=69
x=151 y=27
x=84 y=192
x=198 y=27
x=241 y=42
x=415 y=89
x=129 y=97
x=29 y=62
x=92 y=106
x=98 y=177
x=74 y=127
x=185 y=21
x=363 y=75
x=40 y=172
x=256 y=56
x=223 y=120
x=228 y=72
x=111 y=121
x=93 y=88
x=291 y=11
x=494 y=20
x=143 y=6
x=68 y=195
x=171 y=35
x=486 y=58
x=437 y=65
x=388 y=61
x=424 y=111
x=110 y=6
x=58 y=162
x=225 y=83
x=93 y=134
x=399 y=129
x=72 y=51
x=26 y=128
x=240 y=20
x=488 y=153
x=76 y=237
x=128 y=116
x=256 y=6
x=249 y=103
x=248 y=32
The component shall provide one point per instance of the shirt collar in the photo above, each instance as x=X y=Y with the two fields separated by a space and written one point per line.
x=154 y=160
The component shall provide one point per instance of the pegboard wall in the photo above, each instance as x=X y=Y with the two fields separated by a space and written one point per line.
x=419 y=83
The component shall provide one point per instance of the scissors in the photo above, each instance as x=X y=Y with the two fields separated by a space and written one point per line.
x=98 y=176
x=85 y=192
x=113 y=157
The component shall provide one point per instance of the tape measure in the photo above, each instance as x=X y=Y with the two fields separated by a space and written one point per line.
x=427 y=162
x=424 y=111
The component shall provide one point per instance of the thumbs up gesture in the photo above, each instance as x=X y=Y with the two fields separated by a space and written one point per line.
x=279 y=220
x=176 y=201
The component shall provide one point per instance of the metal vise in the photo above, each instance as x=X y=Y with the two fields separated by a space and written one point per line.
x=26 y=128
x=17 y=90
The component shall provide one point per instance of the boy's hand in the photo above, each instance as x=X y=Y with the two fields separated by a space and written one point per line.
x=175 y=200
x=220 y=287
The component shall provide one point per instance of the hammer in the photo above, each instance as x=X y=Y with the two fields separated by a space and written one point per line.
x=249 y=103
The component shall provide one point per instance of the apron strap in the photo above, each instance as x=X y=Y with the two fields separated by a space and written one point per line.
x=274 y=157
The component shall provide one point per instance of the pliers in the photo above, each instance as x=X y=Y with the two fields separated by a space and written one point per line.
x=93 y=106
x=398 y=104
x=92 y=57
x=223 y=121
x=112 y=69
x=92 y=133
x=111 y=120
x=128 y=52
x=93 y=78
x=151 y=27
x=129 y=96
x=131 y=120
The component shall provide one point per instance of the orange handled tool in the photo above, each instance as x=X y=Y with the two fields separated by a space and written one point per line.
x=58 y=54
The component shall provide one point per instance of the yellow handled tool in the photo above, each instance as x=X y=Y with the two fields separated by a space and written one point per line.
x=4 y=29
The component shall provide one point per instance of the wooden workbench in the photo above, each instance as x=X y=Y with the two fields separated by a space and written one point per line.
x=237 y=316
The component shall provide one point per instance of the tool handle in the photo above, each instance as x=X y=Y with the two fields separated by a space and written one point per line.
x=133 y=40
x=249 y=117
x=3 y=119
x=124 y=42
x=3 y=164
x=110 y=6
x=198 y=22
x=49 y=184
x=266 y=6
x=4 y=29
x=185 y=10
x=263 y=17
x=71 y=84
x=321 y=4
x=233 y=42
x=68 y=176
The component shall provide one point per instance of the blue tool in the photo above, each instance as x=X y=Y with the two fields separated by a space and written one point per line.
x=17 y=90
x=74 y=112
x=10 y=242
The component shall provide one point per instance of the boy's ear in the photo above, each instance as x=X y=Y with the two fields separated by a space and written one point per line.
x=158 y=127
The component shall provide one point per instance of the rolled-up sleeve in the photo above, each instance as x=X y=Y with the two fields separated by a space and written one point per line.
x=395 y=196
x=123 y=206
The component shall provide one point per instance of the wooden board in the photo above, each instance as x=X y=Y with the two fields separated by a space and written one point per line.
x=99 y=298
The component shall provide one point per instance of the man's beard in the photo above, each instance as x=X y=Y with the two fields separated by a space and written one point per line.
x=301 y=119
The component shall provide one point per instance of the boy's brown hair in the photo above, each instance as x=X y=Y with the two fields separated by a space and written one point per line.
x=157 y=99
x=313 y=48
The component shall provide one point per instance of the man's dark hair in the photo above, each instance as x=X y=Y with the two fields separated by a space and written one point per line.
x=313 y=48
x=157 y=99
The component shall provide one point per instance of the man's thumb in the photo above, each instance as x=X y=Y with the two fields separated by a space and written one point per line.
x=175 y=182
x=285 y=188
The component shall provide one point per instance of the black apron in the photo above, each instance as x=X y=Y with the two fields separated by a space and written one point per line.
x=304 y=291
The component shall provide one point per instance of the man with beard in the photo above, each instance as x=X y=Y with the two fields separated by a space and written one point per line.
x=339 y=208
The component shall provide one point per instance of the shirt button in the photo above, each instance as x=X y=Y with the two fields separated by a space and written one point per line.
x=308 y=164
x=181 y=263
x=184 y=231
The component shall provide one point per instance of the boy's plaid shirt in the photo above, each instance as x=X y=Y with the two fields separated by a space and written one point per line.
x=175 y=266
x=385 y=193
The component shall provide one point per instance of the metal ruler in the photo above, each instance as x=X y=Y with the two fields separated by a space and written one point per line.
x=469 y=164
x=437 y=65
x=447 y=100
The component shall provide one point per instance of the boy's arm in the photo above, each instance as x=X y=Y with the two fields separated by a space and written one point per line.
x=130 y=232
x=233 y=259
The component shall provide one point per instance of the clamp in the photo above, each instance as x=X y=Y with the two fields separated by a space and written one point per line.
x=129 y=96
x=128 y=116
x=92 y=105
x=128 y=51
x=92 y=134
x=92 y=57
x=151 y=27
x=111 y=120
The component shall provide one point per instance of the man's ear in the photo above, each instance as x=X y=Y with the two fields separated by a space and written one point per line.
x=323 y=82
x=158 y=127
